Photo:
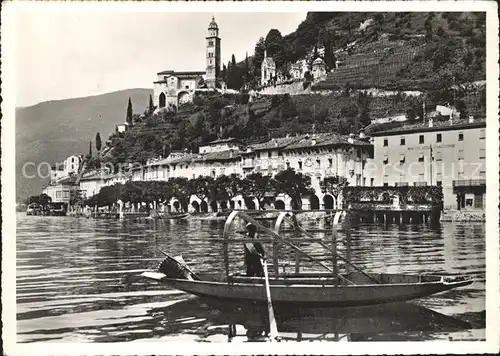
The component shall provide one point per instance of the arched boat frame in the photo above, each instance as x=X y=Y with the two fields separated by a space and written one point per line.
x=289 y=217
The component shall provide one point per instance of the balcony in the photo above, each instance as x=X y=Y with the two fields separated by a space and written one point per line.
x=248 y=164
x=419 y=184
x=469 y=182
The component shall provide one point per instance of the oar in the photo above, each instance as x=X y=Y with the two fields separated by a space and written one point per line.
x=273 y=328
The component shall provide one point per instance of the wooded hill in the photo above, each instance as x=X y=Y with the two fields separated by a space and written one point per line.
x=214 y=115
x=450 y=48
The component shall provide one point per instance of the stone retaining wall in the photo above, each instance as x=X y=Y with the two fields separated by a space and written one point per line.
x=463 y=216
x=296 y=88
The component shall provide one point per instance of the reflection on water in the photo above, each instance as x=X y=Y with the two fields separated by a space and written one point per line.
x=78 y=281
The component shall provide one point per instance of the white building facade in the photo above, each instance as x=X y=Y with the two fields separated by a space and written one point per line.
x=174 y=88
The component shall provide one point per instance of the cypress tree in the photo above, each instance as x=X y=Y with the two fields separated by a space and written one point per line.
x=234 y=73
x=224 y=73
x=129 y=111
x=150 y=102
x=247 y=68
x=90 y=149
x=329 y=57
x=98 y=143
x=229 y=75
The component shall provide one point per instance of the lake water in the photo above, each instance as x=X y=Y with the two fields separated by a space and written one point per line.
x=78 y=280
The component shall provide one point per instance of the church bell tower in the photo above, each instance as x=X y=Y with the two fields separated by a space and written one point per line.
x=213 y=55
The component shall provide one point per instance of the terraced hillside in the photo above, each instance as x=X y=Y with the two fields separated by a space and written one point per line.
x=372 y=68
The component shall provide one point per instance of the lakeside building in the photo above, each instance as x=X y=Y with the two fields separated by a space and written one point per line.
x=71 y=165
x=448 y=153
x=220 y=157
x=92 y=182
x=63 y=183
x=177 y=87
x=317 y=156
x=63 y=190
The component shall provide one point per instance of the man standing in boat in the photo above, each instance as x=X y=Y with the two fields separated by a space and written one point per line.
x=254 y=253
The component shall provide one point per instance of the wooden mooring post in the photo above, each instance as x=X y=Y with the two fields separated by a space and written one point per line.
x=348 y=243
x=335 y=265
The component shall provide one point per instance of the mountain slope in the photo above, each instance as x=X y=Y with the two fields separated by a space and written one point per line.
x=442 y=47
x=52 y=130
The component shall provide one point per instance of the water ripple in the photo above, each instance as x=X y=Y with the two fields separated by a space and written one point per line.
x=78 y=280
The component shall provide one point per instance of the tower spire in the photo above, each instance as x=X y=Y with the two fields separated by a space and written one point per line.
x=212 y=54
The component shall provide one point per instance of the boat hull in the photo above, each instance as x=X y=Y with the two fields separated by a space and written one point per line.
x=310 y=295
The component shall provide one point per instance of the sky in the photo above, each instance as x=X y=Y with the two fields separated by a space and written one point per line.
x=73 y=54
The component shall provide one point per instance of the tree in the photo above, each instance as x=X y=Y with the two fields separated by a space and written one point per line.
x=179 y=187
x=363 y=102
x=129 y=112
x=257 y=186
x=414 y=109
x=428 y=29
x=151 y=105
x=98 y=143
x=333 y=185
x=224 y=73
x=89 y=155
x=258 y=56
x=34 y=199
x=130 y=192
x=227 y=187
x=203 y=187
x=274 y=45
x=328 y=43
x=44 y=199
x=379 y=17
x=76 y=198
x=107 y=196
x=234 y=80
x=294 y=184
x=246 y=70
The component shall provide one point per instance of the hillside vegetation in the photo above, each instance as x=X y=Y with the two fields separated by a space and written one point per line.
x=53 y=130
x=397 y=50
x=216 y=115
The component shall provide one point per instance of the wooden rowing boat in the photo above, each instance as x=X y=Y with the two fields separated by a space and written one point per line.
x=316 y=289
x=355 y=287
x=176 y=216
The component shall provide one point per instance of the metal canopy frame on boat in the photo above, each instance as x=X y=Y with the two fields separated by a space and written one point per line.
x=289 y=217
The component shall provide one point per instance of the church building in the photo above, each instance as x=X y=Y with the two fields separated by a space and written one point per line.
x=268 y=70
x=175 y=88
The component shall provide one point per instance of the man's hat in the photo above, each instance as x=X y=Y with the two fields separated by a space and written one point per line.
x=251 y=226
